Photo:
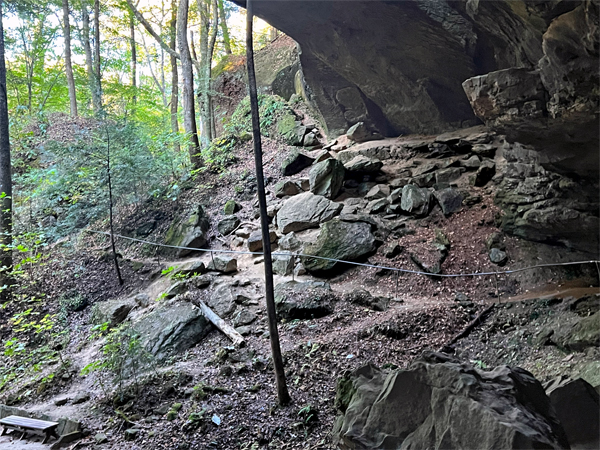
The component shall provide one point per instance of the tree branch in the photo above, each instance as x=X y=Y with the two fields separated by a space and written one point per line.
x=154 y=34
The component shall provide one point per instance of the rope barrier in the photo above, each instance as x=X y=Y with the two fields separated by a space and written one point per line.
x=396 y=269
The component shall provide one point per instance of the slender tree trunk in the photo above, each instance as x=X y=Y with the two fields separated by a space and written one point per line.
x=133 y=58
x=5 y=172
x=68 y=65
x=282 y=391
x=110 y=210
x=224 y=29
x=208 y=38
x=85 y=38
x=187 y=73
x=174 y=75
x=97 y=73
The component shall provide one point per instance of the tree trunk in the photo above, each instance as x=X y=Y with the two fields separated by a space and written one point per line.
x=133 y=59
x=88 y=55
x=282 y=391
x=68 y=65
x=224 y=29
x=5 y=171
x=97 y=73
x=174 y=76
x=187 y=73
x=208 y=38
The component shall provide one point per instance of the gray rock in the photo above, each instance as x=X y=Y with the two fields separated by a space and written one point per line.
x=310 y=139
x=243 y=317
x=306 y=211
x=81 y=397
x=321 y=155
x=142 y=300
x=222 y=300
x=395 y=196
x=176 y=289
x=498 y=257
x=347 y=241
x=295 y=162
x=362 y=297
x=439 y=403
x=100 y=438
x=415 y=200
x=577 y=407
x=191 y=268
x=231 y=207
x=131 y=434
x=392 y=250
x=586 y=333
x=472 y=163
x=359 y=132
x=290 y=242
x=378 y=191
x=190 y=233
x=255 y=240
x=484 y=150
x=399 y=182
x=172 y=328
x=448 y=175
x=363 y=164
x=425 y=180
x=303 y=300
x=450 y=200
x=485 y=173
x=326 y=178
x=377 y=206
x=223 y=263
x=112 y=311
x=228 y=225
x=244 y=233
x=286 y=188
x=244 y=330
x=283 y=264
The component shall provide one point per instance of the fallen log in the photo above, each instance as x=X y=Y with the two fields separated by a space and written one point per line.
x=464 y=333
x=224 y=327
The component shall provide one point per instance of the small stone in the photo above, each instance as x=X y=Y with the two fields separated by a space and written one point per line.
x=448 y=175
x=228 y=225
x=498 y=257
x=284 y=188
x=377 y=206
x=223 y=263
x=255 y=242
x=461 y=297
x=81 y=397
x=283 y=263
x=299 y=270
x=243 y=233
x=244 y=330
x=143 y=300
x=472 y=163
x=100 y=438
x=358 y=132
x=131 y=434
x=395 y=196
x=231 y=207
x=243 y=317
x=378 y=191
x=60 y=401
x=392 y=250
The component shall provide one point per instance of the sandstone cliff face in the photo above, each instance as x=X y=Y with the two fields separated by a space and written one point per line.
x=399 y=66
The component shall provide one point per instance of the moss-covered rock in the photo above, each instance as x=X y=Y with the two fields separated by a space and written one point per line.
x=190 y=233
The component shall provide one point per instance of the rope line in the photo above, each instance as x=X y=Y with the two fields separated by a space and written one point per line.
x=416 y=272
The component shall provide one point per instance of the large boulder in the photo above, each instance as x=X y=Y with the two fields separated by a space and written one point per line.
x=303 y=300
x=326 y=178
x=439 y=403
x=415 y=200
x=449 y=199
x=347 y=241
x=363 y=164
x=113 y=311
x=228 y=225
x=295 y=162
x=577 y=406
x=305 y=211
x=586 y=333
x=190 y=233
x=172 y=328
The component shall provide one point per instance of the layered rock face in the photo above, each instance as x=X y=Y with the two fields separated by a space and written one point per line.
x=399 y=66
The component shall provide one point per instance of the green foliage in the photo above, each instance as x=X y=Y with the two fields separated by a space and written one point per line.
x=68 y=303
x=72 y=187
x=219 y=154
x=173 y=275
x=270 y=107
x=121 y=356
